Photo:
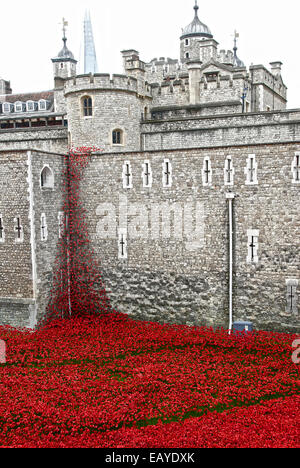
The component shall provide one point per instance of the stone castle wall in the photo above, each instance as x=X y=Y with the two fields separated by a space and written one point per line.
x=170 y=279
x=27 y=263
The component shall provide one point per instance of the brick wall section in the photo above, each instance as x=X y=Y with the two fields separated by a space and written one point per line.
x=15 y=258
x=53 y=139
x=49 y=202
x=162 y=280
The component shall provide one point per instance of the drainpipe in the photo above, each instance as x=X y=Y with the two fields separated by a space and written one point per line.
x=230 y=197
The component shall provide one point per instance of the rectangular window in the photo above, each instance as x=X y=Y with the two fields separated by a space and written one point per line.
x=42 y=105
x=251 y=170
x=167 y=174
x=18 y=230
x=30 y=106
x=229 y=172
x=122 y=244
x=127 y=175
x=18 y=107
x=292 y=296
x=296 y=168
x=44 y=228
x=206 y=172
x=147 y=175
x=2 y=232
x=253 y=235
x=6 y=108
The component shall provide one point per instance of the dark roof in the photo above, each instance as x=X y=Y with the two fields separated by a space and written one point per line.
x=47 y=95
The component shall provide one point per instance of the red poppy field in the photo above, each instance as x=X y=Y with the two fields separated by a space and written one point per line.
x=113 y=382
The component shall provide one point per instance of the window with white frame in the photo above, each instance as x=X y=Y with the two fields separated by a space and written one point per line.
x=47 y=178
x=251 y=170
x=18 y=228
x=167 y=174
x=42 y=105
x=122 y=244
x=206 y=172
x=229 y=171
x=18 y=106
x=2 y=231
x=30 y=106
x=253 y=235
x=296 y=168
x=127 y=175
x=147 y=174
x=44 y=228
x=292 y=296
x=6 y=108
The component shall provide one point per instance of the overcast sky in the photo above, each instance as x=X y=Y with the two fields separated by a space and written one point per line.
x=31 y=34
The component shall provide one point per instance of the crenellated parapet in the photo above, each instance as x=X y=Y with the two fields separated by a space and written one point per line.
x=102 y=82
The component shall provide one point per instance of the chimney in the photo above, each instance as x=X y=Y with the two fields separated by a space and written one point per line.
x=276 y=68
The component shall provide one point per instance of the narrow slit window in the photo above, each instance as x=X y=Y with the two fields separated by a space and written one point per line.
x=147 y=175
x=253 y=235
x=18 y=230
x=206 y=172
x=296 y=168
x=229 y=171
x=2 y=232
x=127 y=175
x=292 y=296
x=167 y=173
x=44 y=228
x=251 y=170
x=122 y=244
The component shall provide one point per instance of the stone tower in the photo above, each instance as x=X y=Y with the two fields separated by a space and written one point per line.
x=197 y=41
x=64 y=65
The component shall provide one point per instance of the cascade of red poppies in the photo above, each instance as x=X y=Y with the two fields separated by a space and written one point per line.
x=78 y=289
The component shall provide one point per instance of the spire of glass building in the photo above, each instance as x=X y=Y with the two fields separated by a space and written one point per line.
x=90 y=58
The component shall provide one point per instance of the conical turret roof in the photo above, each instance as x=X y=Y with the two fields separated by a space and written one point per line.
x=196 y=27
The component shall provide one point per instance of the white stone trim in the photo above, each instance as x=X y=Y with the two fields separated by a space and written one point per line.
x=144 y=177
x=247 y=171
x=293 y=169
x=31 y=217
x=252 y=233
x=167 y=166
x=127 y=184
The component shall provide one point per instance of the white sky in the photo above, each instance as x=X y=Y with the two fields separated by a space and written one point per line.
x=31 y=33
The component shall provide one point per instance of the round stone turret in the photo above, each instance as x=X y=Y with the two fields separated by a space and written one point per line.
x=195 y=34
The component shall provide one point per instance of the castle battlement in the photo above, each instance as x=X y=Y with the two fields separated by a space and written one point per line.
x=102 y=81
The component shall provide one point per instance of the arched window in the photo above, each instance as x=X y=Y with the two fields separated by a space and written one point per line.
x=47 y=178
x=117 y=137
x=87 y=106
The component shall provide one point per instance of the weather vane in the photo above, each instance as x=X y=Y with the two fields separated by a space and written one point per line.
x=64 y=24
